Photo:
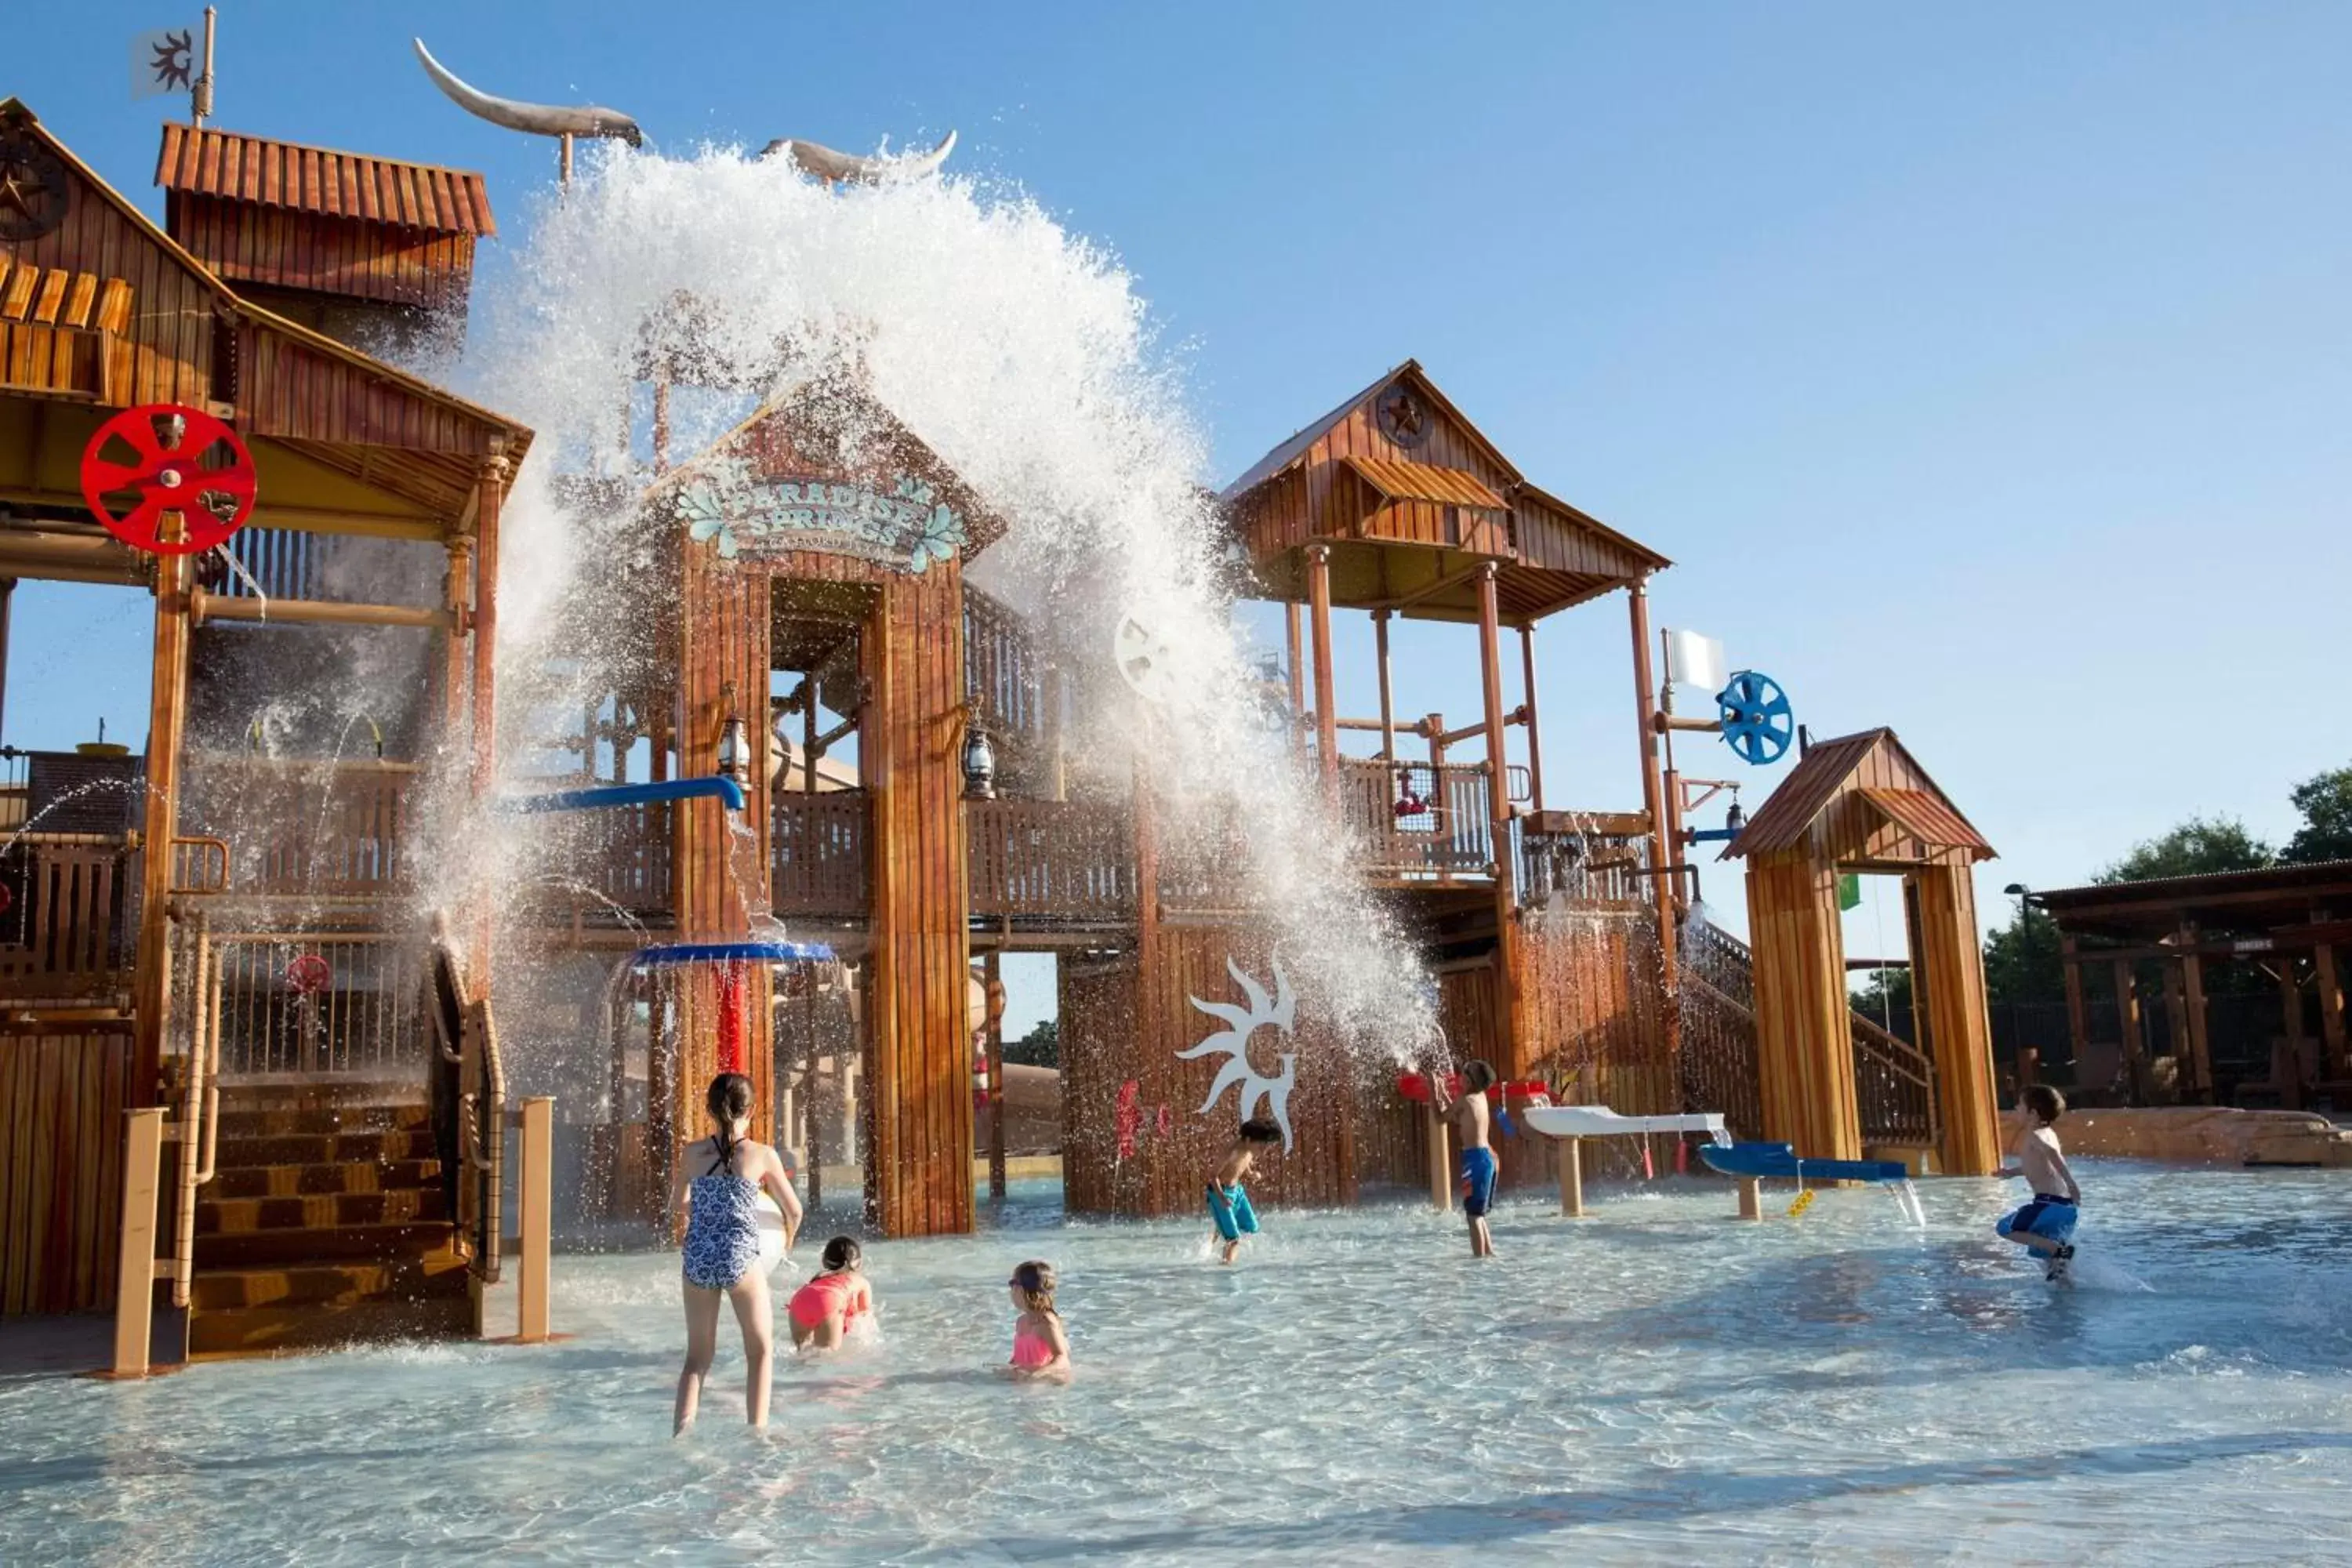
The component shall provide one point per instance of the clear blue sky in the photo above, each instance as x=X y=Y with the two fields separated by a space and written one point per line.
x=1984 y=369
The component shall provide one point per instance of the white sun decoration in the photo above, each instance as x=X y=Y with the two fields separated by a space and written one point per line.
x=1235 y=1038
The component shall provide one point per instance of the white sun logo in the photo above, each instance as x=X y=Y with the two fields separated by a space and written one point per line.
x=1235 y=1038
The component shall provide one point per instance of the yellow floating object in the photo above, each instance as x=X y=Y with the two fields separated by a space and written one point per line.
x=1804 y=1201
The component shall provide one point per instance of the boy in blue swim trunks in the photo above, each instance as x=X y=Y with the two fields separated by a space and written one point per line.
x=2046 y=1226
x=1229 y=1204
x=1477 y=1158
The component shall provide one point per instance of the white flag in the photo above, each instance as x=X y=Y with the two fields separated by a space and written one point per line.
x=163 y=61
x=1693 y=659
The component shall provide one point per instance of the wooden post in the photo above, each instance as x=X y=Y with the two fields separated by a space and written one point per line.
x=1751 y=1198
x=1535 y=731
x=2289 y=1072
x=491 y=492
x=1661 y=851
x=535 y=1189
x=1297 y=665
x=2331 y=1012
x=134 y=1291
x=1326 y=715
x=2176 y=1019
x=1380 y=642
x=2198 y=1070
x=2127 y=1019
x=1441 y=1168
x=1057 y=772
x=1490 y=673
x=994 y=970
x=2078 y=1019
x=1571 y=1177
x=167 y=708
x=661 y=419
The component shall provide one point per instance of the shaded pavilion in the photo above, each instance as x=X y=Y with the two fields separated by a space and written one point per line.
x=2288 y=920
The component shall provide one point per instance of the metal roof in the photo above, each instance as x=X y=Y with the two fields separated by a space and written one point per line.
x=1929 y=818
x=1290 y=451
x=1826 y=771
x=236 y=167
x=1425 y=481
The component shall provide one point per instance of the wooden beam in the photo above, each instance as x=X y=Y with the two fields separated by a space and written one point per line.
x=313 y=612
x=1535 y=731
x=491 y=492
x=1637 y=601
x=1297 y=658
x=1388 y=704
x=167 y=711
x=2078 y=1027
x=2176 y=1019
x=2290 y=1071
x=991 y=966
x=2127 y=1020
x=1319 y=605
x=1428 y=590
x=295 y=519
x=2331 y=1012
x=2197 y=1073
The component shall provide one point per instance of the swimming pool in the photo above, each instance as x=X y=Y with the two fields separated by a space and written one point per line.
x=1655 y=1382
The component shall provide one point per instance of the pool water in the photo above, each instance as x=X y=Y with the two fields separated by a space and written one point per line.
x=1655 y=1382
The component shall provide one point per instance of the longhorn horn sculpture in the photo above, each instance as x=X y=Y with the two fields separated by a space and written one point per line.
x=844 y=168
x=535 y=118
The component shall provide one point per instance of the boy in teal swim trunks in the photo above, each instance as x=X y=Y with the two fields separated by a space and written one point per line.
x=1229 y=1204
x=1471 y=1111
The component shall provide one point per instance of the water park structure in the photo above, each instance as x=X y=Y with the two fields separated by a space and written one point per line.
x=271 y=949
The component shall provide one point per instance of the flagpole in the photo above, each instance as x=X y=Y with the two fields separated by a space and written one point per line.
x=200 y=95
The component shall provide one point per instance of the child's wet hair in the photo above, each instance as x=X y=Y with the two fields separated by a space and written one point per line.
x=2043 y=1101
x=1478 y=1077
x=843 y=1252
x=728 y=1101
x=1034 y=1279
x=1258 y=1130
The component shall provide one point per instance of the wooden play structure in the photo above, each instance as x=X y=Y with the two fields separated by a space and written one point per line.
x=242 y=1060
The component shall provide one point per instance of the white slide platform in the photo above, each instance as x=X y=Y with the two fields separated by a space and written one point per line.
x=1600 y=1121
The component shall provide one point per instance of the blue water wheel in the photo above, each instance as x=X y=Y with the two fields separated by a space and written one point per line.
x=1756 y=718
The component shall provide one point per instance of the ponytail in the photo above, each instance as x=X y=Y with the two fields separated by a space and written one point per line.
x=728 y=1102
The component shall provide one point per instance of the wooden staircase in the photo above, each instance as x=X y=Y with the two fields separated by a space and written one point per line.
x=327 y=1222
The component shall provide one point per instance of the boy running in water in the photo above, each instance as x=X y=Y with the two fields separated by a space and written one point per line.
x=1477 y=1159
x=1229 y=1204
x=2045 y=1225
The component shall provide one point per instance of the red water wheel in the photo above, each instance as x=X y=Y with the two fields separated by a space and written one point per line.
x=310 y=974
x=158 y=459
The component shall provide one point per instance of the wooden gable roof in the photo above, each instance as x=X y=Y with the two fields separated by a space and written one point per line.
x=205 y=161
x=188 y=337
x=1406 y=511
x=1851 y=798
x=834 y=430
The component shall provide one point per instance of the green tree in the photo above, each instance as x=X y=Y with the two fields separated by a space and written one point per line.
x=2325 y=802
x=2020 y=960
x=2199 y=845
x=1040 y=1048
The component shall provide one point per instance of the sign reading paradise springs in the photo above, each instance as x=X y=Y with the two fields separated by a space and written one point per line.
x=749 y=516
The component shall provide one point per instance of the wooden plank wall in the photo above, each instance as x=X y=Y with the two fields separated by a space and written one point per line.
x=246 y=242
x=1126 y=1024
x=63 y=1090
x=1958 y=1032
x=164 y=352
x=723 y=630
x=918 y=1154
x=1592 y=1012
x=1804 y=1041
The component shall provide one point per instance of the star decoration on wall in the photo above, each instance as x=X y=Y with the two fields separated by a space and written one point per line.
x=32 y=189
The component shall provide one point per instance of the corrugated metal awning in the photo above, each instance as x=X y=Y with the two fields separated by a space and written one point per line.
x=255 y=169
x=1928 y=819
x=1425 y=481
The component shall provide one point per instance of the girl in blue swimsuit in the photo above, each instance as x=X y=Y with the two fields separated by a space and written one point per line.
x=722 y=1245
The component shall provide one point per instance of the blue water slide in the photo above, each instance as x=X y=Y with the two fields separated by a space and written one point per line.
x=1780 y=1160
x=605 y=797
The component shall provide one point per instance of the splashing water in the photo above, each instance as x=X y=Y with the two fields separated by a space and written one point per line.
x=1024 y=357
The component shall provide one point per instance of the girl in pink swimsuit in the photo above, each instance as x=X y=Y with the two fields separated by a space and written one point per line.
x=1040 y=1347
x=823 y=1309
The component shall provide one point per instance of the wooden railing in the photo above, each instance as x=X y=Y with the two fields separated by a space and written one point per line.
x=312 y=829
x=620 y=855
x=318 y=1002
x=66 y=931
x=1591 y=867
x=1005 y=677
x=819 y=847
x=1895 y=1084
x=1068 y=859
x=1448 y=836
x=468 y=1093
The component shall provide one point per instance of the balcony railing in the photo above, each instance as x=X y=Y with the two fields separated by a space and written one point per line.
x=819 y=853
x=1418 y=823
